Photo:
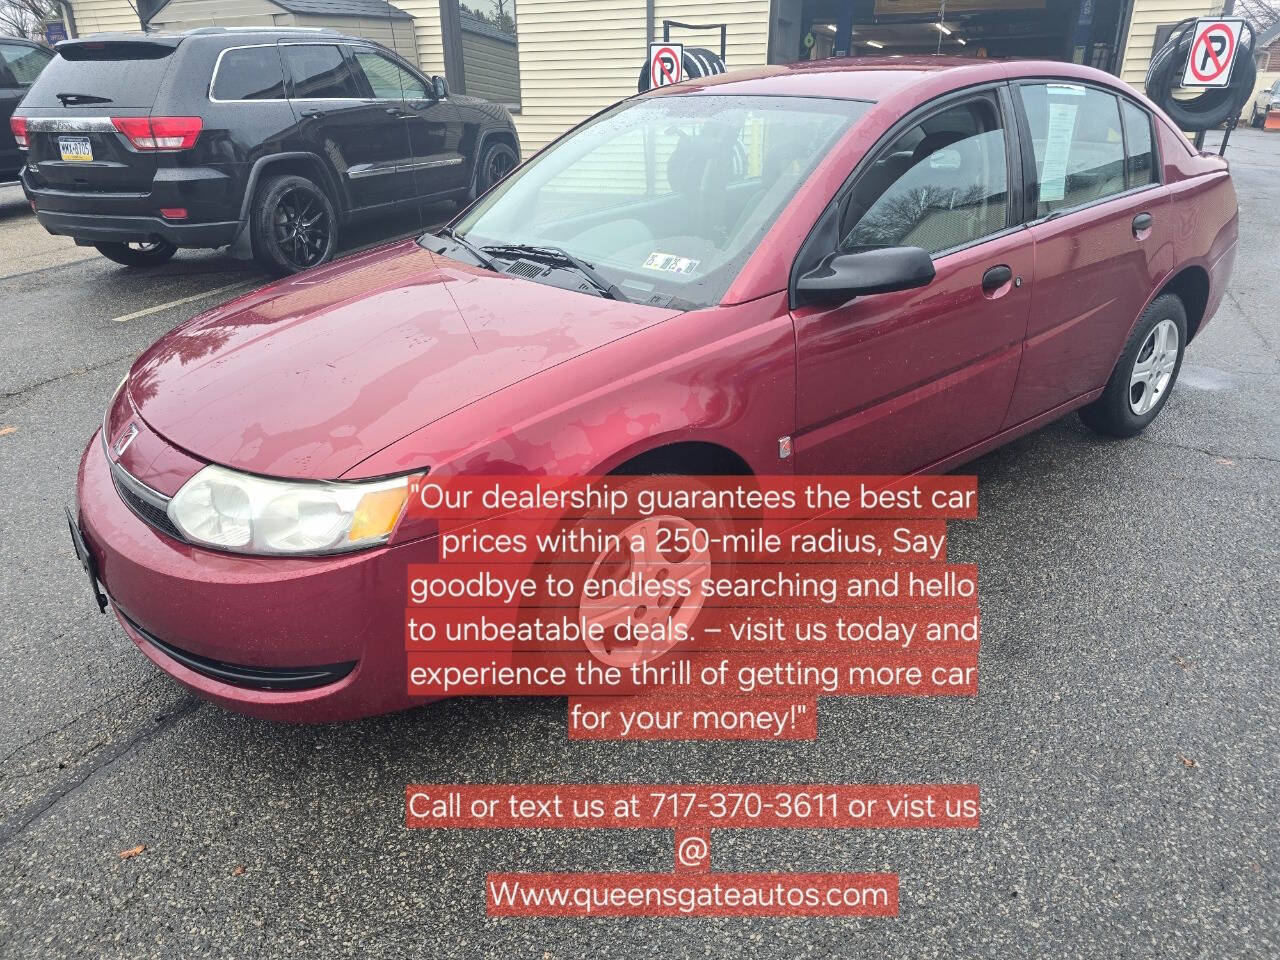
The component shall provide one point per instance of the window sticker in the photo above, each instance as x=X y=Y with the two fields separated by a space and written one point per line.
x=668 y=263
x=1065 y=89
x=1057 y=146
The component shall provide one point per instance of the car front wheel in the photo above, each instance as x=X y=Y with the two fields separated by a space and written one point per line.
x=294 y=225
x=498 y=160
x=1145 y=373
x=1255 y=120
x=148 y=254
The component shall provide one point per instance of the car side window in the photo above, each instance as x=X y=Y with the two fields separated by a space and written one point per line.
x=1079 y=149
x=249 y=73
x=941 y=184
x=387 y=79
x=319 y=72
x=1140 y=160
x=24 y=63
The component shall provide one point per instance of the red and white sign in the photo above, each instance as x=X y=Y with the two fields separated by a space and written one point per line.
x=666 y=64
x=1213 y=52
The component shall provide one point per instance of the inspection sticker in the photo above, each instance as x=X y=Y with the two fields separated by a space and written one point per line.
x=670 y=264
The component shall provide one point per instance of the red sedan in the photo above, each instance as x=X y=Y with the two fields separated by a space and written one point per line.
x=842 y=267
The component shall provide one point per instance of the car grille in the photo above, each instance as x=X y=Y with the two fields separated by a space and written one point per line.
x=148 y=505
x=252 y=678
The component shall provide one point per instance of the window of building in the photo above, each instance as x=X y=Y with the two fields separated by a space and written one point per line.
x=387 y=79
x=941 y=184
x=319 y=72
x=1079 y=150
x=1141 y=161
x=480 y=49
x=251 y=73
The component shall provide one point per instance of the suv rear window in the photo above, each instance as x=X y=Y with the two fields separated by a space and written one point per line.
x=126 y=74
x=249 y=73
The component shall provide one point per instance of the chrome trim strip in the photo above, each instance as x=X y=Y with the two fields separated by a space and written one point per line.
x=70 y=125
x=135 y=486
x=362 y=170
x=424 y=164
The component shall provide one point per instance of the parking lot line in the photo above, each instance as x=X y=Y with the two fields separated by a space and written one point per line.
x=179 y=302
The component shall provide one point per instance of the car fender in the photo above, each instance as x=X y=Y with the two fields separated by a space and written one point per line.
x=724 y=376
x=242 y=246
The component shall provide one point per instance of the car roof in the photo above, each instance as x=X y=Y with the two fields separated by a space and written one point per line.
x=174 y=37
x=877 y=78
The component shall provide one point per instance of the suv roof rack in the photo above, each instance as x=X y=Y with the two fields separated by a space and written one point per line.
x=200 y=31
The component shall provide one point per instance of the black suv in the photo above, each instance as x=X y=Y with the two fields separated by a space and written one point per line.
x=266 y=140
x=20 y=63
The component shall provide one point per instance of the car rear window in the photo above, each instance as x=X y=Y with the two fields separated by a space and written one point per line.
x=249 y=73
x=126 y=74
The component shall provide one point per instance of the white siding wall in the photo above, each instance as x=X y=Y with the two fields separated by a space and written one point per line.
x=101 y=16
x=426 y=24
x=579 y=56
x=397 y=35
x=185 y=14
x=1147 y=15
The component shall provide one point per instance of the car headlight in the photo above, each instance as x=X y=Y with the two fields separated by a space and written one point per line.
x=245 y=514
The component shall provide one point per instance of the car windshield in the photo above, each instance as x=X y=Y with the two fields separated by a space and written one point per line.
x=664 y=197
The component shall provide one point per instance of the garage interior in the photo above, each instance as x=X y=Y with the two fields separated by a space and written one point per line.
x=1081 y=31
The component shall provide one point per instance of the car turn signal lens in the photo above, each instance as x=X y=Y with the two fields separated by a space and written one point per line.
x=376 y=514
x=160 y=133
x=18 y=125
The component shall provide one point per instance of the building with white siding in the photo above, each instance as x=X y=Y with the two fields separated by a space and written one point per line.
x=555 y=62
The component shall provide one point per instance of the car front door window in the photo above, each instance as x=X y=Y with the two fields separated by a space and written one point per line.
x=940 y=185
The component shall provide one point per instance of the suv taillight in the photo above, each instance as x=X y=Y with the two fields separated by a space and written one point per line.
x=160 y=133
x=19 y=127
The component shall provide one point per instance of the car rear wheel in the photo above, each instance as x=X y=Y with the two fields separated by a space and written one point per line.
x=139 y=254
x=498 y=160
x=1145 y=373
x=294 y=225
x=1255 y=119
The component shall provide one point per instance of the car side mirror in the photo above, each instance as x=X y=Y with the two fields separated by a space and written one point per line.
x=843 y=276
x=439 y=87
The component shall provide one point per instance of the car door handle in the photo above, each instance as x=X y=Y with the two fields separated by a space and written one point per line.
x=395 y=111
x=307 y=114
x=1141 y=224
x=996 y=277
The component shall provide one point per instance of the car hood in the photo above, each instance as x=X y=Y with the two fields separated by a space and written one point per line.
x=307 y=377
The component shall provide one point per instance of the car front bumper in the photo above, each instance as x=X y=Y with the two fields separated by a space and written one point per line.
x=254 y=634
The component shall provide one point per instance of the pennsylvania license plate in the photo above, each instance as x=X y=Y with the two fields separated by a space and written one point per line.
x=76 y=149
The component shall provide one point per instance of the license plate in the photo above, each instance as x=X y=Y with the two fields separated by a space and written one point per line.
x=86 y=561
x=76 y=149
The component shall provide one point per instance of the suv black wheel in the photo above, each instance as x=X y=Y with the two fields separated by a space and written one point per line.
x=294 y=225
x=498 y=160
x=1145 y=373
x=140 y=254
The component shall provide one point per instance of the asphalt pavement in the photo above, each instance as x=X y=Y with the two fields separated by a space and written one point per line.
x=1125 y=736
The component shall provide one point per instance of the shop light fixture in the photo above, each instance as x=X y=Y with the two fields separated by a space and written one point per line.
x=875 y=43
x=943 y=28
x=960 y=40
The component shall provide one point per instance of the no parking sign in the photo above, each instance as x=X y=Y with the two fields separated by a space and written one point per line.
x=1213 y=52
x=666 y=64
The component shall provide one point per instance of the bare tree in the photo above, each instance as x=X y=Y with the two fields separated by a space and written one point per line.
x=1261 y=13
x=22 y=18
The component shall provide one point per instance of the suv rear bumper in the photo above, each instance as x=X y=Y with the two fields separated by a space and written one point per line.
x=104 y=228
x=211 y=195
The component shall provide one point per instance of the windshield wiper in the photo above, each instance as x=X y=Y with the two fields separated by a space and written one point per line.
x=73 y=99
x=562 y=257
x=483 y=258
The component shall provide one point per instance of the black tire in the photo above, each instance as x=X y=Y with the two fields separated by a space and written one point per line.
x=294 y=225
x=139 y=254
x=496 y=162
x=1134 y=397
x=1257 y=119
